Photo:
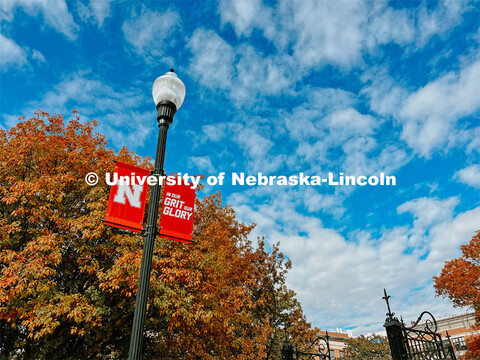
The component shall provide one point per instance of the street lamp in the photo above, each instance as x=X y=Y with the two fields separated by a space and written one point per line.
x=287 y=348
x=168 y=93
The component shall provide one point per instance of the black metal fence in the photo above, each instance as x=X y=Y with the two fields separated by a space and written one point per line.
x=411 y=343
x=319 y=349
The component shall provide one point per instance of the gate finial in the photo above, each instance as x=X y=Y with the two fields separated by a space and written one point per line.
x=386 y=297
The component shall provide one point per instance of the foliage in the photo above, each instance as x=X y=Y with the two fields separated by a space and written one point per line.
x=367 y=348
x=68 y=283
x=473 y=348
x=460 y=282
x=460 y=278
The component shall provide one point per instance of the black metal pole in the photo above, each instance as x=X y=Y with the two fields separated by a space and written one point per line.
x=394 y=330
x=165 y=112
x=396 y=339
x=287 y=351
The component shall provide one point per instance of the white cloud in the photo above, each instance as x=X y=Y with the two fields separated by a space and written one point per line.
x=14 y=56
x=305 y=121
x=309 y=153
x=441 y=19
x=428 y=117
x=429 y=114
x=150 y=32
x=55 y=14
x=11 y=55
x=328 y=122
x=429 y=211
x=214 y=132
x=473 y=137
x=320 y=33
x=387 y=25
x=339 y=32
x=38 y=57
x=315 y=201
x=386 y=96
x=242 y=72
x=262 y=75
x=447 y=237
x=241 y=14
x=257 y=148
x=359 y=155
x=212 y=62
x=115 y=110
x=97 y=10
x=348 y=122
x=469 y=175
x=245 y=15
x=328 y=32
x=340 y=282
x=203 y=164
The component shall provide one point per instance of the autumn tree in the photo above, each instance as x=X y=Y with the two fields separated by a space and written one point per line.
x=68 y=283
x=459 y=281
x=367 y=348
x=275 y=302
x=55 y=253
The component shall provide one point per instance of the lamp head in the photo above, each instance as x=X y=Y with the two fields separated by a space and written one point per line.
x=169 y=87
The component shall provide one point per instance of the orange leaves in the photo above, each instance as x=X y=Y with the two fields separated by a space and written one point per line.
x=460 y=278
x=54 y=247
x=473 y=346
x=68 y=283
x=203 y=288
x=460 y=282
x=471 y=251
x=457 y=281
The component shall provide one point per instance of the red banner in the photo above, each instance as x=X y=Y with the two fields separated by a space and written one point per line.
x=177 y=213
x=126 y=204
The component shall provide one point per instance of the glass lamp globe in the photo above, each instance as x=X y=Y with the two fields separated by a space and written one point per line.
x=169 y=87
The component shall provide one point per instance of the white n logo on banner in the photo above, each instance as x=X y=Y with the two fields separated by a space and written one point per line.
x=125 y=191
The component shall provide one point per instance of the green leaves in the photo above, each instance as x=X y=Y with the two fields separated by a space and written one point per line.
x=367 y=348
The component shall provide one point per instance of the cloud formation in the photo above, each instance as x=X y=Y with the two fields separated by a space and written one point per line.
x=11 y=54
x=469 y=175
x=54 y=13
x=149 y=32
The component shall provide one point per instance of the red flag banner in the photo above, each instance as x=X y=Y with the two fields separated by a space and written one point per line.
x=177 y=213
x=126 y=204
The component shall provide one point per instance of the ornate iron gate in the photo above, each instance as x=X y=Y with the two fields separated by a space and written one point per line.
x=408 y=343
x=319 y=349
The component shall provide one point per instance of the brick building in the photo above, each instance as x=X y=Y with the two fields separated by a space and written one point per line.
x=337 y=343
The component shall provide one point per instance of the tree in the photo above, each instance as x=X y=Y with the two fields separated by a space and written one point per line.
x=68 y=283
x=275 y=302
x=459 y=281
x=473 y=348
x=367 y=348
x=55 y=252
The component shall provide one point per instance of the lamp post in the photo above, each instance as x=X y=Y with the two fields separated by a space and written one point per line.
x=168 y=93
x=287 y=348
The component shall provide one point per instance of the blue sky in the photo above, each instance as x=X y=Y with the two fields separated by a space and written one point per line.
x=281 y=88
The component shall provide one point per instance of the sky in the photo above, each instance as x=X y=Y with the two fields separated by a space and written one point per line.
x=282 y=88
